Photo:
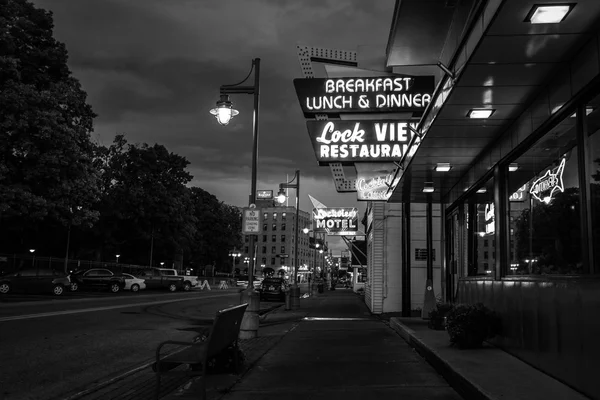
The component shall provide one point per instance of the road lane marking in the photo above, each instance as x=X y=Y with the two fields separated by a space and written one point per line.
x=86 y=310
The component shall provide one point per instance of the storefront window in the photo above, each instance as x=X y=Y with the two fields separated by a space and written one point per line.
x=544 y=206
x=482 y=262
x=593 y=125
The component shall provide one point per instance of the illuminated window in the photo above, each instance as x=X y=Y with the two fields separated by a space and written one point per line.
x=266 y=216
x=274 y=216
x=283 y=216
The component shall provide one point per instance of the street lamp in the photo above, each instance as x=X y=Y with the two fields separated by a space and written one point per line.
x=117 y=255
x=295 y=292
x=233 y=254
x=78 y=208
x=32 y=251
x=313 y=286
x=224 y=112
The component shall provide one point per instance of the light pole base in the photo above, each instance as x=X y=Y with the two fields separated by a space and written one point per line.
x=250 y=321
x=295 y=297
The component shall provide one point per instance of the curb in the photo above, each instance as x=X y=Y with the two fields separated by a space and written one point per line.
x=459 y=382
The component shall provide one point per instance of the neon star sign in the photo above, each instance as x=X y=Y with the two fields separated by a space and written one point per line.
x=544 y=188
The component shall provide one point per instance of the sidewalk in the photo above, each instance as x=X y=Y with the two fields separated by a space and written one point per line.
x=338 y=351
x=487 y=373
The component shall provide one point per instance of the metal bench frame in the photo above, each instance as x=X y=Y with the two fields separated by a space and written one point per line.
x=224 y=332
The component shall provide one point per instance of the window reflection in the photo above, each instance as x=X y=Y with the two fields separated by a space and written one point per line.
x=593 y=125
x=544 y=206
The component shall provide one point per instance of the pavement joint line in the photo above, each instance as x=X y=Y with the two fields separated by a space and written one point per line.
x=84 y=310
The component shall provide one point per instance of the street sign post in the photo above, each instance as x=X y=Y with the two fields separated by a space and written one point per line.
x=252 y=221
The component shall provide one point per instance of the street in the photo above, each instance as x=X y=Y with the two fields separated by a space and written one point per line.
x=55 y=349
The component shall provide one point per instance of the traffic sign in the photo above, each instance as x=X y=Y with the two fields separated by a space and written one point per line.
x=251 y=222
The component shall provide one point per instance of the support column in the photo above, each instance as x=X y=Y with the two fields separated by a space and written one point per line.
x=406 y=252
x=501 y=222
x=429 y=301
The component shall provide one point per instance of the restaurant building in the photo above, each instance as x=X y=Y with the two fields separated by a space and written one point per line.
x=501 y=179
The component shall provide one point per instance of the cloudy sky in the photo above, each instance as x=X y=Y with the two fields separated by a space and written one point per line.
x=152 y=70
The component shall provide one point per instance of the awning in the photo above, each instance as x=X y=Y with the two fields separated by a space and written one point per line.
x=499 y=61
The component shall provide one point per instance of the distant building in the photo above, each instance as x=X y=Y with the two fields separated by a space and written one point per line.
x=275 y=245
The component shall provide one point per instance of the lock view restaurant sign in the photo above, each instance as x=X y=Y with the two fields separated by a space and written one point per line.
x=378 y=94
x=336 y=221
x=347 y=142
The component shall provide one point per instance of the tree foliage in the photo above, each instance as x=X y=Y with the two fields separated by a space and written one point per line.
x=46 y=155
x=55 y=183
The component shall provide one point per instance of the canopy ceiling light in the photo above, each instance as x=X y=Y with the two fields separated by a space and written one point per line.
x=480 y=113
x=549 y=13
x=443 y=167
x=224 y=110
x=512 y=167
x=482 y=190
x=428 y=188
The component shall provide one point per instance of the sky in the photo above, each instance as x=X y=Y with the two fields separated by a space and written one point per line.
x=152 y=71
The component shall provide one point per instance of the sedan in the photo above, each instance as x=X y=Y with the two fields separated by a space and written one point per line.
x=43 y=280
x=273 y=288
x=134 y=283
x=97 y=278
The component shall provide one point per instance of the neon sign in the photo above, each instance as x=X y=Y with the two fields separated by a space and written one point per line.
x=336 y=221
x=378 y=94
x=373 y=181
x=552 y=181
x=347 y=142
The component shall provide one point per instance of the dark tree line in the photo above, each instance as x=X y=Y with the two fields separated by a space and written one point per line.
x=56 y=183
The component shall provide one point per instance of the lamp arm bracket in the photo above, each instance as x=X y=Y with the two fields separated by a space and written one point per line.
x=239 y=83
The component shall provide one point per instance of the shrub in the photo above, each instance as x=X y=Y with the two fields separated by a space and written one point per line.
x=470 y=324
x=437 y=315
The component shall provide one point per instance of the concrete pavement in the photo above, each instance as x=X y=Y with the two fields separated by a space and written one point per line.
x=333 y=349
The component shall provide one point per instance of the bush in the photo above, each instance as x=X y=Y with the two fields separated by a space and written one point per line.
x=470 y=324
x=437 y=315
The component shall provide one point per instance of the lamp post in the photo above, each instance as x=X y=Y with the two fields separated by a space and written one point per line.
x=78 y=208
x=295 y=292
x=32 y=251
x=233 y=254
x=224 y=112
x=117 y=255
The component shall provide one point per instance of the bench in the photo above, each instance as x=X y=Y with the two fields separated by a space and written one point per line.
x=223 y=333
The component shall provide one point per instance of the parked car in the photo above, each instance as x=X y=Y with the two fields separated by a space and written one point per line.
x=242 y=281
x=273 y=288
x=97 y=278
x=133 y=283
x=189 y=281
x=161 y=278
x=35 y=281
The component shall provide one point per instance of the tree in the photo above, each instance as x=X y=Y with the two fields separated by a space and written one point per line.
x=218 y=230
x=146 y=207
x=46 y=155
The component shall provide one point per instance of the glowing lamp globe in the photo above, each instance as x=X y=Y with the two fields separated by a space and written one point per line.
x=224 y=111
